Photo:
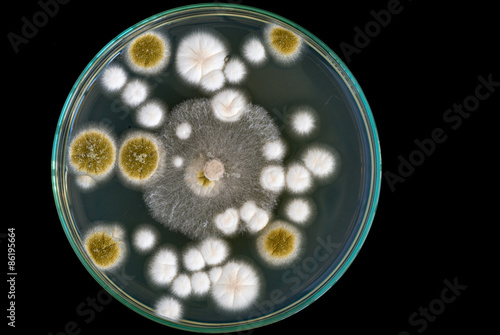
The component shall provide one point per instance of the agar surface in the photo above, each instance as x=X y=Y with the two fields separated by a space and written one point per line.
x=93 y=152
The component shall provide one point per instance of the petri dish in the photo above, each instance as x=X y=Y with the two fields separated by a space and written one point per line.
x=216 y=168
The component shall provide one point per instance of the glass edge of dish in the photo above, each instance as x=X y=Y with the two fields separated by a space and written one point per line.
x=375 y=192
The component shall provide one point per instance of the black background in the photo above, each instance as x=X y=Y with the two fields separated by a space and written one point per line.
x=437 y=225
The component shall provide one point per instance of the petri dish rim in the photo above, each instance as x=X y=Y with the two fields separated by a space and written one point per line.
x=372 y=175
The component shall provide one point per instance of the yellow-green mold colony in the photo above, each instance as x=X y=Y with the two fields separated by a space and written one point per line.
x=284 y=41
x=139 y=158
x=104 y=249
x=148 y=51
x=92 y=152
x=279 y=244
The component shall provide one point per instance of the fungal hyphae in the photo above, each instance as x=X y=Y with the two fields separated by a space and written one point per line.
x=217 y=168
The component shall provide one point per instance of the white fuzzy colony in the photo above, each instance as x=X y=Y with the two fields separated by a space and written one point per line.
x=181 y=285
x=235 y=71
x=303 y=122
x=256 y=218
x=213 y=81
x=86 y=182
x=254 y=51
x=298 y=179
x=228 y=105
x=274 y=150
x=214 y=274
x=319 y=161
x=214 y=251
x=150 y=115
x=169 y=308
x=258 y=221
x=135 y=93
x=163 y=266
x=299 y=210
x=272 y=178
x=237 y=286
x=248 y=210
x=177 y=161
x=193 y=259
x=199 y=54
x=227 y=222
x=183 y=131
x=200 y=283
x=113 y=78
x=144 y=239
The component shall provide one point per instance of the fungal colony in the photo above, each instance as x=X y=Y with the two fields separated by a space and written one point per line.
x=212 y=168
